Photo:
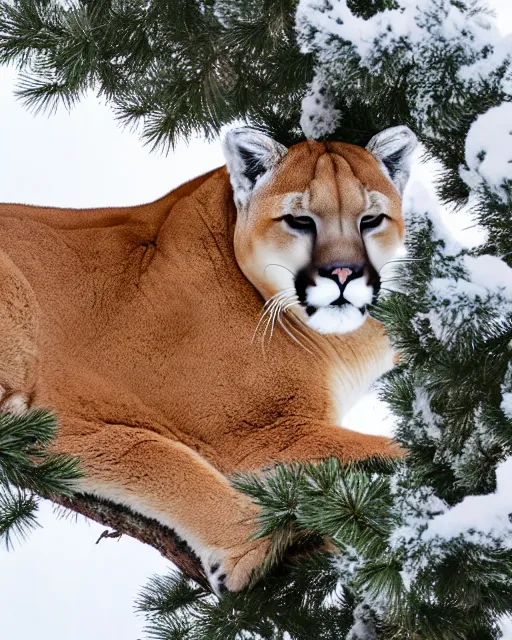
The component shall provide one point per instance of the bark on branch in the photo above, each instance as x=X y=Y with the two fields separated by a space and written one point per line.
x=144 y=529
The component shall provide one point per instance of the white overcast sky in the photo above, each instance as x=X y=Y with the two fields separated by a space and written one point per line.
x=60 y=585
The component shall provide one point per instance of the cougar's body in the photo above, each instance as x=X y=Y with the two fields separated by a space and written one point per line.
x=139 y=328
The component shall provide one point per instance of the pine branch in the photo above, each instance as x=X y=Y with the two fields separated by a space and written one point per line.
x=17 y=514
x=24 y=461
x=146 y=530
x=26 y=469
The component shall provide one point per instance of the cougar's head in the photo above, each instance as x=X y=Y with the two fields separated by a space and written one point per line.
x=317 y=223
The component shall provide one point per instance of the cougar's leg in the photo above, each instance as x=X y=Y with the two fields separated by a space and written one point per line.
x=311 y=441
x=19 y=315
x=168 y=481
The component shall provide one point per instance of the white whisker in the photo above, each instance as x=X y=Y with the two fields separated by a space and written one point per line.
x=276 y=312
x=274 y=264
x=268 y=306
x=273 y=312
x=289 y=332
x=266 y=311
x=273 y=308
x=389 y=280
x=270 y=321
x=278 y=295
x=275 y=315
x=399 y=260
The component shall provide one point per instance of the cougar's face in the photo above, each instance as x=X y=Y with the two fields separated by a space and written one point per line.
x=318 y=227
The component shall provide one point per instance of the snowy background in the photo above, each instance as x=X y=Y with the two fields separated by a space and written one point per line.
x=75 y=589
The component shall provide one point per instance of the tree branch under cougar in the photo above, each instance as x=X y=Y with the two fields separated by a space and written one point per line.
x=144 y=529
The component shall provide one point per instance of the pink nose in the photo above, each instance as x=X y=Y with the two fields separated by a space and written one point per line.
x=342 y=273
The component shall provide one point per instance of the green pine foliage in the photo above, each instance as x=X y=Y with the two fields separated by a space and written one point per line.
x=27 y=470
x=174 y=67
x=294 y=603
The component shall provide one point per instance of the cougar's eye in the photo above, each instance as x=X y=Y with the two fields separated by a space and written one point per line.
x=371 y=222
x=300 y=223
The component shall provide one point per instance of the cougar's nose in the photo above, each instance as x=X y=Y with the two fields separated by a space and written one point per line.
x=340 y=272
x=343 y=273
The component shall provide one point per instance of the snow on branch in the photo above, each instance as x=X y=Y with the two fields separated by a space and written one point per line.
x=420 y=206
x=479 y=516
x=412 y=21
x=489 y=151
x=319 y=116
x=419 y=37
x=506 y=393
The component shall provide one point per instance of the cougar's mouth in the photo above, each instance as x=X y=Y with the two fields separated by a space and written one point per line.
x=336 y=299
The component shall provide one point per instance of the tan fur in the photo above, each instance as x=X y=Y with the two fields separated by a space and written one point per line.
x=135 y=324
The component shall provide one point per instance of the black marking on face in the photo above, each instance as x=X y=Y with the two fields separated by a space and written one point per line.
x=303 y=280
x=374 y=282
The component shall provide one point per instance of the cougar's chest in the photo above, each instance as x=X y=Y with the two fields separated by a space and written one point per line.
x=364 y=356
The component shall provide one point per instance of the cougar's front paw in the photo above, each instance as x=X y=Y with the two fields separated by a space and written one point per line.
x=12 y=402
x=234 y=569
x=216 y=576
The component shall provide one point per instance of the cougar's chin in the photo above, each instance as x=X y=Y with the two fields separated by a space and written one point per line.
x=337 y=319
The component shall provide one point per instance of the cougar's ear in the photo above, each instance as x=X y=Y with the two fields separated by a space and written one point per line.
x=249 y=155
x=394 y=147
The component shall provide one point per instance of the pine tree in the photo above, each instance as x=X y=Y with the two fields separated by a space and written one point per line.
x=425 y=546
x=27 y=471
